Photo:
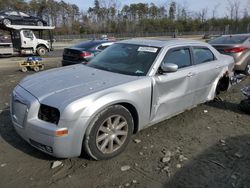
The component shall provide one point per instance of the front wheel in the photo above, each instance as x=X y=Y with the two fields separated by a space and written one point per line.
x=109 y=133
x=41 y=51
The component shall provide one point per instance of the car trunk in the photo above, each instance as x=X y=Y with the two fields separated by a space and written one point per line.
x=72 y=54
x=234 y=50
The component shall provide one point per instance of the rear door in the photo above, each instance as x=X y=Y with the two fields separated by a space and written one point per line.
x=207 y=68
x=172 y=92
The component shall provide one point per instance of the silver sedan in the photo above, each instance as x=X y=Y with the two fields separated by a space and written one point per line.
x=131 y=85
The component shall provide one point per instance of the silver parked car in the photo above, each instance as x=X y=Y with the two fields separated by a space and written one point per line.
x=237 y=46
x=127 y=87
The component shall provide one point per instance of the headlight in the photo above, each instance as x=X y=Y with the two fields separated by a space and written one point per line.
x=1 y=17
x=49 y=114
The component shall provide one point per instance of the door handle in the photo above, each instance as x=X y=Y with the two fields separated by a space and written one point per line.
x=190 y=74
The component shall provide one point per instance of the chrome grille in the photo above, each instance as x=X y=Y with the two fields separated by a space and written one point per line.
x=19 y=111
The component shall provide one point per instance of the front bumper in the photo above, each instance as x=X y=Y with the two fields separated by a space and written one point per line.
x=43 y=135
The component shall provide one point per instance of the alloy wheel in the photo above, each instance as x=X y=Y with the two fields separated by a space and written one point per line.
x=112 y=134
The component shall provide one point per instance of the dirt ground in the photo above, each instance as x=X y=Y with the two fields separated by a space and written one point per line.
x=208 y=146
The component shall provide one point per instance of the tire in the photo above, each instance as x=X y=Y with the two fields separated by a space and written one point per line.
x=245 y=106
x=109 y=133
x=247 y=70
x=42 y=67
x=41 y=51
x=36 y=69
x=24 y=69
x=39 y=23
x=6 y=22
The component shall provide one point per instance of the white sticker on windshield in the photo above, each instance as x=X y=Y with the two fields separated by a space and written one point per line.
x=147 y=49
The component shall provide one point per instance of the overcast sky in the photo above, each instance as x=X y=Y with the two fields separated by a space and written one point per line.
x=193 y=5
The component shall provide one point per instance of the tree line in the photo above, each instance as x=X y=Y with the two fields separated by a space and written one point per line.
x=108 y=16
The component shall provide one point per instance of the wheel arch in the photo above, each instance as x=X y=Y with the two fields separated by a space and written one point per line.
x=41 y=45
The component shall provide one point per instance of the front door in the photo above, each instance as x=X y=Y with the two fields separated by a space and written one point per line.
x=28 y=39
x=173 y=92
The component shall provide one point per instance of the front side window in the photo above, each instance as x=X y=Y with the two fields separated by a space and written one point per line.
x=129 y=59
x=23 y=14
x=180 y=57
x=27 y=34
x=202 y=55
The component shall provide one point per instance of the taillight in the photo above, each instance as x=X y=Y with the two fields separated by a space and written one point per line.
x=235 y=50
x=86 y=54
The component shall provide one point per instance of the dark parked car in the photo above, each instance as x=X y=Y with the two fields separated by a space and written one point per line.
x=19 y=18
x=83 y=52
x=237 y=46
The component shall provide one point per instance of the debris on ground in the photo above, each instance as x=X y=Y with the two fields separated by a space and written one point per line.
x=3 y=165
x=125 y=168
x=205 y=111
x=178 y=166
x=134 y=181
x=165 y=159
x=137 y=141
x=182 y=158
x=56 y=164
x=239 y=155
x=127 y=184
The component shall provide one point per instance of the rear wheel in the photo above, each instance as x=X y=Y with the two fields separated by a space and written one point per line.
x=41 y=51
x=6 y=22
x=247 y=70
x=109 y=133
x=42 y=67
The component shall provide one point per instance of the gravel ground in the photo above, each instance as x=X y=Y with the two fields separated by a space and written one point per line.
x=208 y=146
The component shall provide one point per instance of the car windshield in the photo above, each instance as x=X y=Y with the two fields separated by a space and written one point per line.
x=129 y=59
x=229 y=40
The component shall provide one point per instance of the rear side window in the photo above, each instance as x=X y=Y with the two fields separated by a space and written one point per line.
x=229 y=40
x=202 y=55
x=180 y=57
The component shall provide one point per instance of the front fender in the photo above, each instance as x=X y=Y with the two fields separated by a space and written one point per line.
x=108 y=100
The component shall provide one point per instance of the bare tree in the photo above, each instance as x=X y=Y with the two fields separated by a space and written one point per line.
x=234 y=9
x=214 y=11
x=231 y=9
x=203 y=15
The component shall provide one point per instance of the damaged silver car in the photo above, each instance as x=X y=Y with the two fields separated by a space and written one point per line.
x=131 y=85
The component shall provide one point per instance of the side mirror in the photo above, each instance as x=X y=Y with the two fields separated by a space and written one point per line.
x=169 y=67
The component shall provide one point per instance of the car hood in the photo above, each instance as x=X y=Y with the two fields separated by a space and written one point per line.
x=57 y=86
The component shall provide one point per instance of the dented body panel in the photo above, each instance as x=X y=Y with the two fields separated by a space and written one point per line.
x=80 y=93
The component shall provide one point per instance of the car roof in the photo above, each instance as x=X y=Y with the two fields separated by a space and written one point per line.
x=162 y=42
x=240 y=35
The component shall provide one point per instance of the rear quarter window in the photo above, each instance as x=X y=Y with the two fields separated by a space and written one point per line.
x=202 y=55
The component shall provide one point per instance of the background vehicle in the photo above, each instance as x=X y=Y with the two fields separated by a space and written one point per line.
x=129 y=86
x=83 y=52
x=237 y=46
x=19 y=18
x=24 y=40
